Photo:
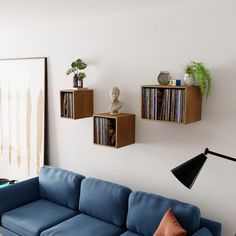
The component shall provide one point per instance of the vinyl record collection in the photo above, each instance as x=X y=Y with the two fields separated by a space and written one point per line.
x=105 y=131
x=163 y=104
x=67 y=105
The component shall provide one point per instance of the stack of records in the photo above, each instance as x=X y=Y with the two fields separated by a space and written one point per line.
x=105 y=131
x=67 y=105
x=163 y=104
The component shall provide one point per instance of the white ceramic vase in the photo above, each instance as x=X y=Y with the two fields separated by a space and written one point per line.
x=188 y=80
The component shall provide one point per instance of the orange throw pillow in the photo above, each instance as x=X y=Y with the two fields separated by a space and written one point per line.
x=169 y=226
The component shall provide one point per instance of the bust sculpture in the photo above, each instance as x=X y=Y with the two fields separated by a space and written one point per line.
x=116 y=105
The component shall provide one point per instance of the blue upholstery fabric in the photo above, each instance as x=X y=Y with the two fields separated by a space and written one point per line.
x=60 y=186
x=83 y=225
x=203 y=232
x=146 y=211
x=104 y=200
x=104 y=207
x=128 y=233
x=18 y=194
x=213 y=226
x=6 y=232
x=33 y=218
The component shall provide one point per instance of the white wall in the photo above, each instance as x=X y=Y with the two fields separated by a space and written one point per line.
x=127 y=43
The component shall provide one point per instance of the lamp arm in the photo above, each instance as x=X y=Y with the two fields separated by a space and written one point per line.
x=207 y=151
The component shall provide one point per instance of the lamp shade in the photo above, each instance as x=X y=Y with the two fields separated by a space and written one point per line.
x=187 y=172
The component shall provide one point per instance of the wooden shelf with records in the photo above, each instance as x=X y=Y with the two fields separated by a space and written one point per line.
x=114 y=130
x=76 y=103
x=173 y=104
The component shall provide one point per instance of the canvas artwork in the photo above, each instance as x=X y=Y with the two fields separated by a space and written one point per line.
x=22 y=117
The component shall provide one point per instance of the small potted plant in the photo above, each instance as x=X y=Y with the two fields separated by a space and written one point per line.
x=76 y=67
x=189 y=76
x=197 y=73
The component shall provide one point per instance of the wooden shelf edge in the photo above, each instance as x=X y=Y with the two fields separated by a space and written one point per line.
x=165 y=121
x=168 y=86
x=115 y=147
x=70 y=90
x=70 y=118
x=108 y=115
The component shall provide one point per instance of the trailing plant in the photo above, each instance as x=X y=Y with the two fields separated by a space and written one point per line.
x=76 y=67
x=198 y=71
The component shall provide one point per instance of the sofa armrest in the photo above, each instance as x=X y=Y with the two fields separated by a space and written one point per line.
x=18 y=194
x=203 y=232
x=213 y=226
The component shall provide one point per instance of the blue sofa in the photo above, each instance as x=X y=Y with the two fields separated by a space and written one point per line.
x=63 y=203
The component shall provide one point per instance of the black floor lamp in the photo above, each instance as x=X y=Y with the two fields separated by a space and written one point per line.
x=187 y=172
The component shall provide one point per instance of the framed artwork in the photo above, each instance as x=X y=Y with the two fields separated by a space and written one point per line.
x=23 y=100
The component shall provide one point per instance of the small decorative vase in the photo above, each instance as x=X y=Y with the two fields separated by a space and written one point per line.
x=188 y=80
x=80 y=83
x=75 y=81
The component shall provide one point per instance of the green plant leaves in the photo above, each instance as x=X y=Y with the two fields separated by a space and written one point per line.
x=69 y=71
x=189 y=70
x=82 y=66
x=79 y=64
x=202 y=74
x=78 y=61
x=76 y=66
x=82 y=75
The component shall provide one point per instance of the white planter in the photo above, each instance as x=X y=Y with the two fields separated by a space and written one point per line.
x=188 y=80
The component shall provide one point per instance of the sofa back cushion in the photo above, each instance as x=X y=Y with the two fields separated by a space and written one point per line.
x=146 y=211
x=60 y=186
x=104 y=200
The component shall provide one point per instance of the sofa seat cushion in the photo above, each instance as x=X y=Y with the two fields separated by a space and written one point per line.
x=146 y=211
x=83 y=225
x=203 y=232
x=214 y=227
x=129 y=233
x=6 y=232
x=35 y=217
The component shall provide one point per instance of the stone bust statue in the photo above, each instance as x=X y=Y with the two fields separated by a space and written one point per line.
x=116 y=105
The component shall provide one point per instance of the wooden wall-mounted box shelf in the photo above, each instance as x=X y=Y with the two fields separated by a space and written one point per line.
x=176 y=104
x=114 y=130
x=76 y=103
